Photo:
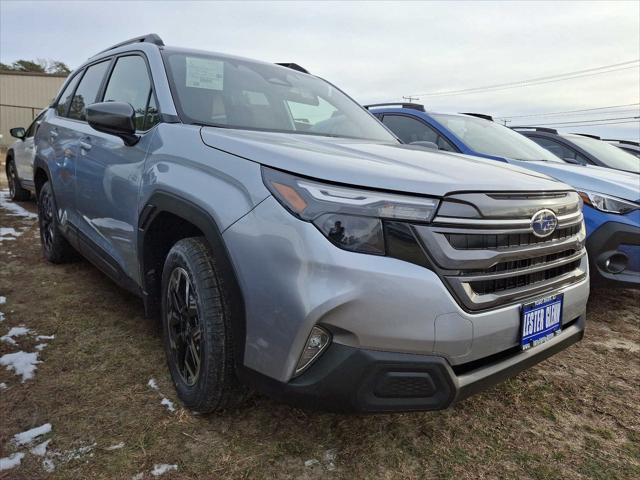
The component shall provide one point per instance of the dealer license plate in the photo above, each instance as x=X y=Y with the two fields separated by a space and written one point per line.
x=541 y=321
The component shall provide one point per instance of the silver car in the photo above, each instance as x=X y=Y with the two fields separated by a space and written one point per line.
x=19 y=161
x=290 y=243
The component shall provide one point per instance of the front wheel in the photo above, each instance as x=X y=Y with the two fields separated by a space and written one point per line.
x=16 y=192
x=196 y=325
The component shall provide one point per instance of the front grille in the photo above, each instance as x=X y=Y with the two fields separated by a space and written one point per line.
x=477 y=241
x=488 y=261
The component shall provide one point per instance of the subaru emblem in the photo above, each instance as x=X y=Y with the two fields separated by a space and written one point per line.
x=544 y=223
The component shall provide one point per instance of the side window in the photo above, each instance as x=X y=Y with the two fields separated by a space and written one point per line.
x=87 y=90
x=559 y=150
x=130 y=83
x=67 y=95
x=412 y=130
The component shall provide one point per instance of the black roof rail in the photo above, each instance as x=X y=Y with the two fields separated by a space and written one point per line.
x=413 y=106
x=479 y=115
x=537 y=129
x=625 y=142
x=148 y=38
x=293 y=66
x=588 y=135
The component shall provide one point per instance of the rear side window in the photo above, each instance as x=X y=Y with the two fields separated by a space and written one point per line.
x=67 y=96
x=130 y=83
x=87 y=90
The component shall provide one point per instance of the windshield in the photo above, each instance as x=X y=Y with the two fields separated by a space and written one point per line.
x=233 y=93
x=490 y=138
x=611 y=156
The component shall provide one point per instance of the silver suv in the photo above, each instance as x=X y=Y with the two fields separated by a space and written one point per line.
x=290 y=243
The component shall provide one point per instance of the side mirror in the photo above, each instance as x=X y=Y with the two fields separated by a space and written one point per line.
x=18 y=132
x=424 y=143
x=115 y=118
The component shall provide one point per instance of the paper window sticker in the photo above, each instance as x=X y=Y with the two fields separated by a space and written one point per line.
x=204 y=73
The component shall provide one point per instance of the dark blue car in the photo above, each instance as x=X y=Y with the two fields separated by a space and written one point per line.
x=611 y=197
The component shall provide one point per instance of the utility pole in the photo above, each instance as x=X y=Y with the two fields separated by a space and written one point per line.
x=410 y=99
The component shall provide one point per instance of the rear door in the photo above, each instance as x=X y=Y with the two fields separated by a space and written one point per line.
x=109 y=172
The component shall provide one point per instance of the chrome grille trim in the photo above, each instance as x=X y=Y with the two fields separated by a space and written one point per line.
x=506 y=266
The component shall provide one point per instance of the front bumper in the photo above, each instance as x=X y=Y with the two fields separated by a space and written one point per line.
x=614 y=254
x=348 y=379
x=293 y=278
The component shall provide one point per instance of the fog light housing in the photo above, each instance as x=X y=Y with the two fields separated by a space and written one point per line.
x=318 y=340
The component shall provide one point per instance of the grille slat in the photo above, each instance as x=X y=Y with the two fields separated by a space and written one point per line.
x=479 y=241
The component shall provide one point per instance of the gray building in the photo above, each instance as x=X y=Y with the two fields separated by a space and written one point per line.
x=22 y=96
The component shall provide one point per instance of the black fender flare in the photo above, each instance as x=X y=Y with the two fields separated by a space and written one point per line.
x=162 y=201
x=39 y=163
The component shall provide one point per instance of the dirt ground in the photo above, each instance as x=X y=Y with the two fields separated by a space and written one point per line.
x=574 y=416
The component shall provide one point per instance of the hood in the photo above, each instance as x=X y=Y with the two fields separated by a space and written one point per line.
x=397 y=167
x=620 y=184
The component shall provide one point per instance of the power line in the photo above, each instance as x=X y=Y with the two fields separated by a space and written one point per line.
x=581 y=125
x=580 y=121
x=545 y=114
x=538 y=80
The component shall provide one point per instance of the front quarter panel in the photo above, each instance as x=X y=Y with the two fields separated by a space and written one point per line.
x=179 y=163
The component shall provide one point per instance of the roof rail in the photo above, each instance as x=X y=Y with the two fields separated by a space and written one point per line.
x=413 y=106
x=148 y=38
x=293 y=66
x=537 y=129
x=625 y=142
x=479 y=115
x=588 y=135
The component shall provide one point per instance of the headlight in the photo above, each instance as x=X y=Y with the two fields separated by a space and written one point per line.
x=349 y=217
x=607 y=203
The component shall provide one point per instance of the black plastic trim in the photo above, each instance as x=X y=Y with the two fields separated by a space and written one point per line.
x=604 y=242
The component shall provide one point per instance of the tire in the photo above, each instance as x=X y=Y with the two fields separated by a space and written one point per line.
x=196 y=329
x=16 y=192
x=55 y=247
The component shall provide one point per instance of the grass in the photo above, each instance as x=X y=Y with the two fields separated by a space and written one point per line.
x=575 y=416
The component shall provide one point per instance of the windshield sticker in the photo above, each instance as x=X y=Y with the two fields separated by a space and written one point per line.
x=204 y=73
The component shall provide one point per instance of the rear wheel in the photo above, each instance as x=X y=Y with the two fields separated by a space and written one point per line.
x=16 y=192
x=55 y=247
x=196 y=325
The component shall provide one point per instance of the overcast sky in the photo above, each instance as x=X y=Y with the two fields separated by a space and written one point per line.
x=378 y=51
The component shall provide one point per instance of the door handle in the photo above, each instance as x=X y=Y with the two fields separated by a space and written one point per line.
x=53 y=133
x=85 y=145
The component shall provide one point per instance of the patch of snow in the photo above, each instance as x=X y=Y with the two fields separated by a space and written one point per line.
x=41 y=449
x=116 y=446
x=169 y=404
x=48 y=465
x=3 y=386
x=11 y=461
x=14 y=332
x=30 y=435
x=152 y=384
x=138 y=476
x=1 y=317
x=330 y=459
x=3 y=300
x=22 y=363
x=311 y=463
x=41 y=346
x=2 y=239
x=9 y=232
x=13 y=208
x=45 y=337
x=162 y=468
x=78 y=452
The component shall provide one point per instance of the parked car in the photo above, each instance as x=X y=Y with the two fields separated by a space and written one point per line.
x=611 y=197
x=19 y=161
x=291 y=243
x=582 y=149
x=627 y=145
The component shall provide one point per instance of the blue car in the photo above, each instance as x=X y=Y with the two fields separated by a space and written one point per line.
x=611 y=197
